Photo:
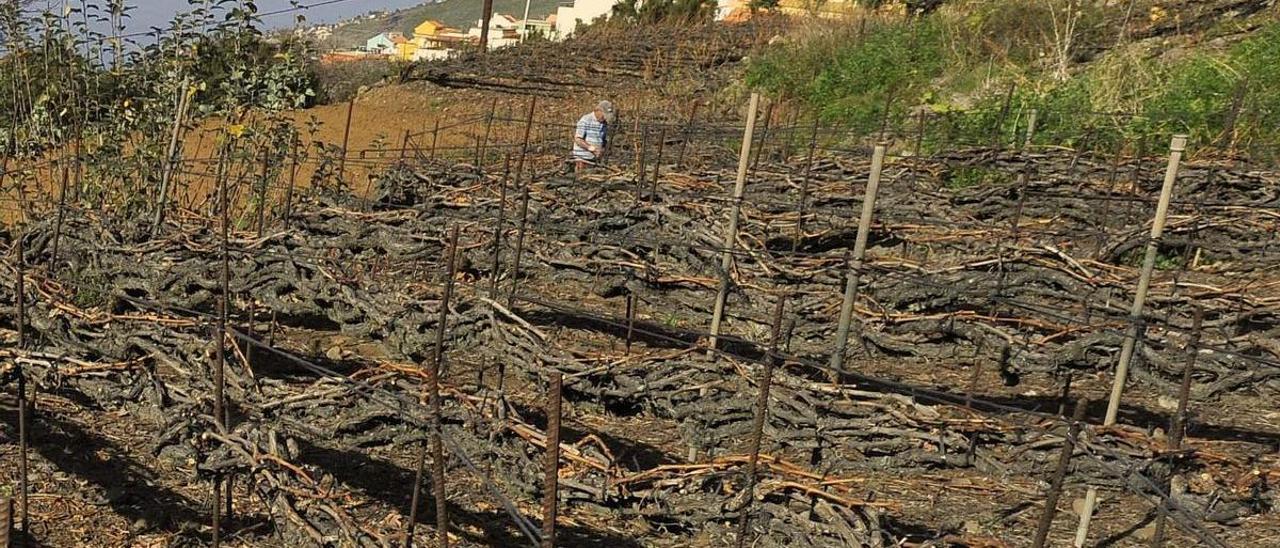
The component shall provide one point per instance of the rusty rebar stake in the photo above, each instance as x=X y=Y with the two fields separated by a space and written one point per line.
x=346 y=141
x=293 y=180
x=552 y=485
x=220 y=334
x=688 y=133
x=495 y=273
x=20 y=266
x=24 y=486
x=657 y=164
x=804 y=187
x=1060 y=474
x=434 y=371
x=57 y=223
x=1178 y=428
x=757 y=426
x=435 y=136
x=524 y=223
x=262 y=193
x=641 y=164
x=488 y=128
x=631 y=319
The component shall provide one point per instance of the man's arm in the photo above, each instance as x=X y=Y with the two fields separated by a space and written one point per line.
x=582 y=143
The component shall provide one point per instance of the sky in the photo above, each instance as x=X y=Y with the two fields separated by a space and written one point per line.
x=158 y=13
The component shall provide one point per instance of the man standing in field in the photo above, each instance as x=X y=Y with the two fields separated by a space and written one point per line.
x=591 y=135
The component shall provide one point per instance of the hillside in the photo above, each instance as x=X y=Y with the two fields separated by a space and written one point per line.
x=456 y=13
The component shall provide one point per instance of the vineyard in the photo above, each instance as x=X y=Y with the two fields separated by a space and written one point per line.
x=749 y=327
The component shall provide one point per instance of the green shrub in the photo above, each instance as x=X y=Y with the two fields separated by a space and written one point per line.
x=850 y=79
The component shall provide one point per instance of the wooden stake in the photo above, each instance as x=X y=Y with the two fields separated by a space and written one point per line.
x=1177 y=147
x=731 y=234
x=859 y=253
x=162 y=201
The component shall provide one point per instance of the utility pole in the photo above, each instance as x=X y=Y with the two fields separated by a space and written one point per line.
x=484 y=24
x=524 y=23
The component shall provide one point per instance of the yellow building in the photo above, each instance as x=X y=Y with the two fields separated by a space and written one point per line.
x=405 y=50
x=820 y=8
x=430 y=27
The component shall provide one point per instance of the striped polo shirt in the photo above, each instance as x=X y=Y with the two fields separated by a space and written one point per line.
x=592 y=131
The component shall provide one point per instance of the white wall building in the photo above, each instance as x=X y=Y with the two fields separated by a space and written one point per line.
x=568 y=17
x=504 y=30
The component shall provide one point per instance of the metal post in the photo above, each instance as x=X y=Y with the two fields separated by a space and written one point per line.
x=920 y=127
x=293 y=179
x=688 y=131
x=21 y=289
x=220 y=335
x=731 y=235
x=437 y=369
x=524 y=223
x=1004 y=114
x=433 y=388
x=498 y=226
x=764 y=135
x=551 y=488
x=641 y=167
x=528 y=130
x=219 y=380
x=488 y=127
x=859 y=252
x=1178 y=428
x=435 y=136
x=1177 y=147
x=404 y=144
x=262 y=194
x=23 y=486
x=1032 y=117
x=804 y=187
x=346 y=141
x=657 y=164
x=57 y=223
x=1059 y=474
x=757 y=425
x=631 y=319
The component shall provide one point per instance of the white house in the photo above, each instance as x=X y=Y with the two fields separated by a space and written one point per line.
x=568 y=17
x=504 y=30
x=545 y=28
x=384 y=43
